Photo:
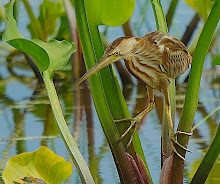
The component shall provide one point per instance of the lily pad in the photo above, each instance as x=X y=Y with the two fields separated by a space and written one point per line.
x=40 y=166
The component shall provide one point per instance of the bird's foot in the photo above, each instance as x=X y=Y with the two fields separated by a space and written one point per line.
x=183 y=133
x=173 y=141
x=135 y=122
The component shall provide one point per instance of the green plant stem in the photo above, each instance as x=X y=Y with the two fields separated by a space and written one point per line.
x=159 y=16
x=208 y=161
x=118 y=106
x=111 y=88
x=15 y=10
x=206 y=118
x=165 y=142
x=71 y=146
x=162 y=26
x=171 y=11
x=99 y=98
x=191 y=100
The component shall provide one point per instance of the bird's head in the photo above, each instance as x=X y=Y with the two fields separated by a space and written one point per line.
x=121 y=48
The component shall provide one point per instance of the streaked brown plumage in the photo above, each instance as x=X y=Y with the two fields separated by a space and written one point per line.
x=154 y=59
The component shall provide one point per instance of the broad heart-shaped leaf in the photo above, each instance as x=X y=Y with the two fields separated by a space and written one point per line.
x=216 y=61
x=42 y=164
x=48 y=56
x=59 y=52
x=39 y=55
x=109 y=12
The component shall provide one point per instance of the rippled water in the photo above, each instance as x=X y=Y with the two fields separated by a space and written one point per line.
x=27 y=121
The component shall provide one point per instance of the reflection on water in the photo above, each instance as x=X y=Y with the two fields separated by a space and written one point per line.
x=27 y=121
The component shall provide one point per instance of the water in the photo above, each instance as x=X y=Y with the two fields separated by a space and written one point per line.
x=27 y=121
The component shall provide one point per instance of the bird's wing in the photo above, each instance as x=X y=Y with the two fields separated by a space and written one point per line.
x=148 y=52
x=175 y=57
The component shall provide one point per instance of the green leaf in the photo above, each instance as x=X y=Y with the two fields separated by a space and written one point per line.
x=203 y=7
x=64 y=31
x=213 y=177
x=50 y=13
x=42 y=164
x=49 y=56
x=216 y=61
x=59 y=52
x=35 y=24
x=38 y=54
x=11 y=31
x=209 y=160
x=109 y=12
x=52 y=55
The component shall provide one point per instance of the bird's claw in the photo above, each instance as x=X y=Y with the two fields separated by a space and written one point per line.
x=135 y=119
x=173 y=139
x=183 y=133
x=135 y=122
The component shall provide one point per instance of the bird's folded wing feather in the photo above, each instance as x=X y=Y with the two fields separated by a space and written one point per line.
x=170 y=53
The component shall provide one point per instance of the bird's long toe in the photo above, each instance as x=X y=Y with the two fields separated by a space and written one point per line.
x=183 y=133
x=173 y=139
x=173 y=142
x=134 y=123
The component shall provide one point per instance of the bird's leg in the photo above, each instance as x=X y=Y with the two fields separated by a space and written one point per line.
x=172 y=135
x=135 y=122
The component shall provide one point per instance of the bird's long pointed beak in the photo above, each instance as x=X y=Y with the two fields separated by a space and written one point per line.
x=104 y=61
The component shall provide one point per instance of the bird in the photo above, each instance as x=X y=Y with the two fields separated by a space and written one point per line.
x=155 y=59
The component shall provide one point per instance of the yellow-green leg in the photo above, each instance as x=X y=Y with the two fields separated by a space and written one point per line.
x=172 y=135
x=135 y=122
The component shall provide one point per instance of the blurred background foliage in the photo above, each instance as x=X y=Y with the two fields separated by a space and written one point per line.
x=26 y=118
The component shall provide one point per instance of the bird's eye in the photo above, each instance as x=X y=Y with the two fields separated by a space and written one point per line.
x=117 y=53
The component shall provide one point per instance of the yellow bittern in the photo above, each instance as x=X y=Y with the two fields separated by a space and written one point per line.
x=154 y=59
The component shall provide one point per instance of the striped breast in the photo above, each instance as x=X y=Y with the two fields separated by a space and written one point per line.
x=145 y=70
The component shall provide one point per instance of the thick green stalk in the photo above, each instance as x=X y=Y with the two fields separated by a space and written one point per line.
x=99 y=97
x=191 y=100
x=114 y=97
x=71 y=146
